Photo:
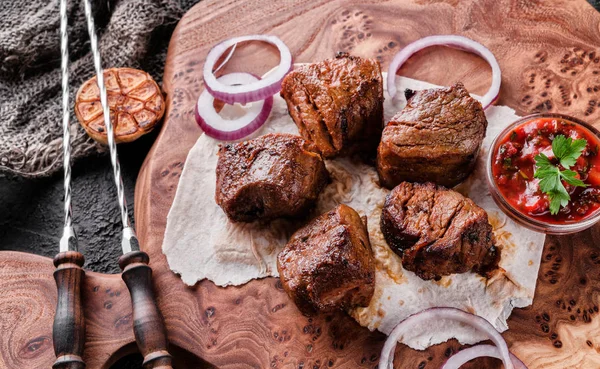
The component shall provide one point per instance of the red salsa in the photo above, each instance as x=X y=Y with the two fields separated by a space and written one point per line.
x=513 y=168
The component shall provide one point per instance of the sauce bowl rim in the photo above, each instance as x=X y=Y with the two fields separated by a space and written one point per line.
x=515 y=214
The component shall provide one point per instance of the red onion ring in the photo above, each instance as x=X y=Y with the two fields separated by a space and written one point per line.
x=215 y=126
x=457 y=42
x=460 y=358
x=420 y=318
x=254 y=91
x=226 y=59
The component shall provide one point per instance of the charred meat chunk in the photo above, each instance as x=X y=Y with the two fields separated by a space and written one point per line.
x=275 y=175
x=328 y=264
x=437 y=231
x=435 y=138
x=337 y=104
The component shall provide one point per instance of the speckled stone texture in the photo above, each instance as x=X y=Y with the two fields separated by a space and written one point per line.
x=31 y=211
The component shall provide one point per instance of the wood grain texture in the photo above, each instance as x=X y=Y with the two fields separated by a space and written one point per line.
x=548 y=52
x=28 y=300
x=27 y=303
x=68 y=331
x=148 y=325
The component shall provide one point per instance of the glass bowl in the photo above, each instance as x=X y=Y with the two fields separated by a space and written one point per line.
x=514 y=213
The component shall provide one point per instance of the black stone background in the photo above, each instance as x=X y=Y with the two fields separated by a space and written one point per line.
x=31 y=212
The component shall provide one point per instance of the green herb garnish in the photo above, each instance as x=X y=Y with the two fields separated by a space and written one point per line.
x=567 y=151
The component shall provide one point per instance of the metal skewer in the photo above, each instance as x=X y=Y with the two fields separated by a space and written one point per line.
x=148 y=325
x=68 y=331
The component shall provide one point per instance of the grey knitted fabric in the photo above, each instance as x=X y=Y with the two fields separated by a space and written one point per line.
x=132 y=33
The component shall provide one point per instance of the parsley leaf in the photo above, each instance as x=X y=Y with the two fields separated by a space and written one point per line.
x=570 y=177
x=543 y=162
x=550 y=179
x=558 y=199
x=567 y=151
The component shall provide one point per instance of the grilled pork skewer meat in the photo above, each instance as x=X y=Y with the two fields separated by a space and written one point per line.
x=328 y=265
x=337 y=104
x=435 y=138
x=272 y=176
x=437 y=231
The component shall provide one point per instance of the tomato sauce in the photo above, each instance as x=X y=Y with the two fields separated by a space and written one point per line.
x=513 y=168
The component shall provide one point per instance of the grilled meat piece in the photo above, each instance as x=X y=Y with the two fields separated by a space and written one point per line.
x=435 y=138
x=328 y=265
x=437 y=231
x=337 y=104
x=275 y=175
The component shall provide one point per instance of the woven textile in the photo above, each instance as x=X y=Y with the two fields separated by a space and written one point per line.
x=131 y=33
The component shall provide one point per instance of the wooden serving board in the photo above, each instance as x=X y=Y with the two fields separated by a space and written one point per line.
x=549 y=58
x=549 y=53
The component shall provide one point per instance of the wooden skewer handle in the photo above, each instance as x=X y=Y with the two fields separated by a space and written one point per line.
x=68 y=332
x=148 y=325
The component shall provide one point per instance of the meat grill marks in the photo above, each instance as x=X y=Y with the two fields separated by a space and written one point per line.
x=437 y=231
x=328 y=265
x=275 y=175
x=337 y=104
x=435 y=138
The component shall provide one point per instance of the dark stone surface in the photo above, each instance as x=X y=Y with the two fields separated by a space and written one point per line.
x=31 y=219
x=31 y=211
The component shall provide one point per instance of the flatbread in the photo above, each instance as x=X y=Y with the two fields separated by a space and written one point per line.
x=201 y=243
